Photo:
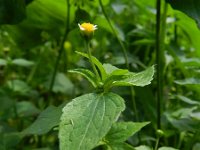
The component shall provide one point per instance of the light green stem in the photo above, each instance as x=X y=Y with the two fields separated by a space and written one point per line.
x=157 y=143
x=91 y=62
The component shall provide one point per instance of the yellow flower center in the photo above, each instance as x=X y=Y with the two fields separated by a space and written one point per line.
x=87 y=26
x=87 y=29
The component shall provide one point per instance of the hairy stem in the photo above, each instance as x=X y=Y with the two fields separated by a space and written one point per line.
x=60 y=51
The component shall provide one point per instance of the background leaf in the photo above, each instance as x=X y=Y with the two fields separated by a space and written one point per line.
x=48 y=119
x=22 y=62
x=167 y=148
x=190 y=7
x=188 y=81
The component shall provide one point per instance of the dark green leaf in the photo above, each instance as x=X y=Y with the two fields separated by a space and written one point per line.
x=25 y=109
x=190 y=7
x=87 y=119
x=48 y=119
x=121 y=131
x=62 y=84
x=120 y=146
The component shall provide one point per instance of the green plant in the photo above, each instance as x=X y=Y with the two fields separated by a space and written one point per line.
x=90 y=120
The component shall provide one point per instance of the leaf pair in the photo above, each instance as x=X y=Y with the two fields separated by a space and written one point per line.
x=87 y=119
x=112 y=76
x=90 y=118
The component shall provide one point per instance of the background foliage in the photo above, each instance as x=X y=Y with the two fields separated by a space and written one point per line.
x=34 y=33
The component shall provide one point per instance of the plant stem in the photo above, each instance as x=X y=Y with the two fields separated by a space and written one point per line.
x=157 y=143
x=60 y=51
x=158 y=61
x=134 y=103
x=90 y=59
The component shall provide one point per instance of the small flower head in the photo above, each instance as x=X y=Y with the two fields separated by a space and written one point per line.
x=87 y=29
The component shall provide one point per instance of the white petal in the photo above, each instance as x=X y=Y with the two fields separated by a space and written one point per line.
x=81 y=28
x=95 y=27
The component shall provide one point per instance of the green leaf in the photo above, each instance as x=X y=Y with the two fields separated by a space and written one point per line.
x=136 y=79
x=12 y=11
x=90 y=76
x=48 y=119
x=25 y=109
x=3 y=62
x=121 y=131
x=196 y=146
x=188 y=81
x=12 y=139
x=190 y=7
x=120 y=146
x=143 y=147
x=112 y=70
x=22 y=62
x=113 y=74
x=187 y=100
x=87 y=119
x=193 y=62
x=96 y=62
x=195 y=115
x=19 y=86
x=167 y=148
x=63 y=84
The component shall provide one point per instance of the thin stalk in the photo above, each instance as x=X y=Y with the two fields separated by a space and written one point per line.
x=134 y=103
x=157 y=143
x=115 y=33
x=124 y=53
x=61 y=49
x=158 y=61
x=90 y=59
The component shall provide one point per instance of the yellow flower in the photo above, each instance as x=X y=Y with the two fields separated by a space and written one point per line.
x=87 y=29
